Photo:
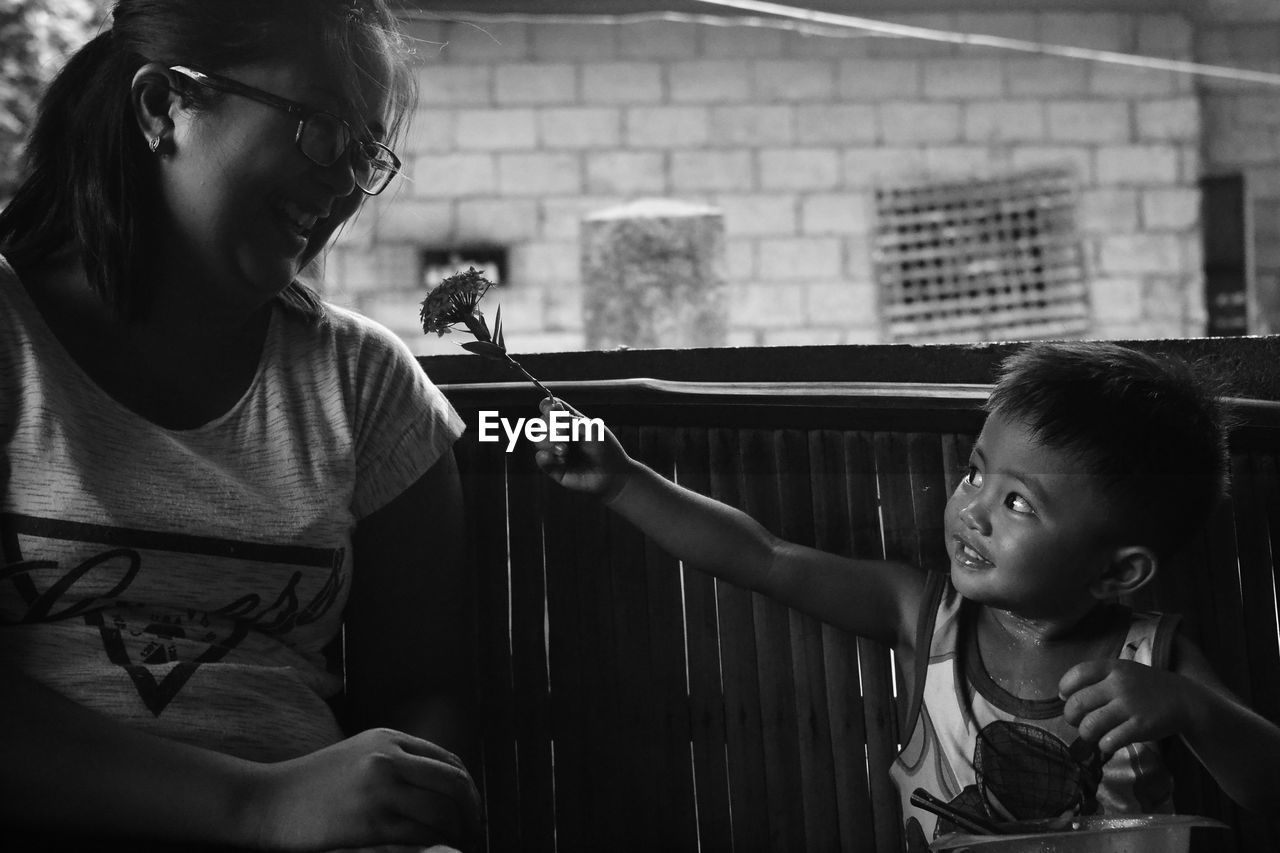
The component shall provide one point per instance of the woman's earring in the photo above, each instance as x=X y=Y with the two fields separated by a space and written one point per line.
x=159 y=145
x=154 y=144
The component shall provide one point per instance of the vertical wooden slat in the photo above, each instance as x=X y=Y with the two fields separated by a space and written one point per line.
x=817 y=769
x=526 y=489
x=706 y=694
x=668 y=699
x=483 y=473
x=833 y=532
x=634 y=750
x=772 y=621
x=744 y=735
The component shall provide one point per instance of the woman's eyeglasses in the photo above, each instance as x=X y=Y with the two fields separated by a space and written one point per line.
x=322 y=137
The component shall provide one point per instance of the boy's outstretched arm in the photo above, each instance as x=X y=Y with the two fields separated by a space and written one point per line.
x=872 y=598
x=1114 y=703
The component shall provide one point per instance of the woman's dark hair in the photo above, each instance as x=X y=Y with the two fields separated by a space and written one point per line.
x=1151 y=429
x=91 y=181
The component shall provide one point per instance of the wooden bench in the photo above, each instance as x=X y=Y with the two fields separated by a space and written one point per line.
x=632 y=705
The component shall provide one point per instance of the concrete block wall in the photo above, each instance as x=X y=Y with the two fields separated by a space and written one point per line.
x=1242 y=136
x=525 y=127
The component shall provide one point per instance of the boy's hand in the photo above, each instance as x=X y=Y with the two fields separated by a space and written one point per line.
x=598 y=468
x=1114 y=703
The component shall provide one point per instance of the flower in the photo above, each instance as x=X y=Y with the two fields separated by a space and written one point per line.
x=456 y=300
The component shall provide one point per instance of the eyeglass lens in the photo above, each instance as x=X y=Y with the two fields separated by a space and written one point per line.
x=325 y=138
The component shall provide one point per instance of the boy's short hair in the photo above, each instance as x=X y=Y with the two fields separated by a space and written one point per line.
x=1151 y=428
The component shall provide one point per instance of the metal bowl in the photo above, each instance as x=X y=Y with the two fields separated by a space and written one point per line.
x=1155 y=833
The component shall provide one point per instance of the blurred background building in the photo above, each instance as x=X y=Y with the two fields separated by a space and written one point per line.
x=872 y=187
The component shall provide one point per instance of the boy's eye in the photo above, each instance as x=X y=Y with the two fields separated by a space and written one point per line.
x=1018 y=503
x=973 y=477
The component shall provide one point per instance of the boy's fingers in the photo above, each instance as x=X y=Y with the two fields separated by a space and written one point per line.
x=1082 y=675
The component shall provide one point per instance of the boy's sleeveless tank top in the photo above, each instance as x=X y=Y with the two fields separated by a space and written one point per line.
x=976 y=745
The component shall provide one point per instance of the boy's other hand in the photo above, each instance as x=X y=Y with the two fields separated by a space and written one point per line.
x=597 y=467
x=1114 y=703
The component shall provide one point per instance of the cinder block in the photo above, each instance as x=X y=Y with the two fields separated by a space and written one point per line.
x=564 y=42
x=1138 y=164
x=842 y=303
x=431 y=130
x=1045 y=76
x=413 y=220
x=465 y=44
x=1175 y=209
x=622 y=83
x=739 y=258
x=563 y=309
x=731 y=42
x=497 y=130
x=962 y=161
x=626 y=172
x=1097 y=30
x=866 y=167
x=837 y=214
x=454 y=175
x=1116 y=299
x=1004 y=121
x=1089 y=121
x=753 y=125
x=1247 y=110
x=397 y=310
x=1244 y=147
x=580 y=127
x=906 y=122
x=1174 y=118
x=567 y=341
x=792 y=80
x=867 y=79
x=561 y=218
x=709 y=81
x=755 y=215
x=799 y=258
x=1170 y=36
x=658 y=40
x=535 y=83
x=497 y=220
x=799 y=169
x=545 y=263
x=964 y=78
x=667 y=127
x=826 y=44
x=837 y=124
x=455 y=85
x=722 y=169
x=540 y=174
x=1123 y=81
x=1078 y=158
x=1107 y=210
x=1137 y=254
x=766 y=306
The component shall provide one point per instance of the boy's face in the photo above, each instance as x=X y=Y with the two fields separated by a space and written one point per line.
x=1026 y=530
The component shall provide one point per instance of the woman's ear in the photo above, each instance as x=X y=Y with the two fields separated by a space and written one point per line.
x=1131 y=568
x=154 y=98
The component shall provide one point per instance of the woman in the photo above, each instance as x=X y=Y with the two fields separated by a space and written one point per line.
x=205 y=472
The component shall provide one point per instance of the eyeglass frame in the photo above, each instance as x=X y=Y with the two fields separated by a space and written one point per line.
x=304 y=113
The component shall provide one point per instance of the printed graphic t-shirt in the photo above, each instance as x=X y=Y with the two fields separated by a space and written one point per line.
x=986 y=751
x=189 y=581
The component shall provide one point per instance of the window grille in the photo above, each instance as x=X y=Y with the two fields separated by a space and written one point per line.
x=990 y=259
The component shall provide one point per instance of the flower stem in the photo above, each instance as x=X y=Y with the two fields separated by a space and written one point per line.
x=529 y=376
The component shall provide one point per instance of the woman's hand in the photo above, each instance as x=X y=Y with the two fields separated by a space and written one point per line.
x=597 y=467
x=380 y=787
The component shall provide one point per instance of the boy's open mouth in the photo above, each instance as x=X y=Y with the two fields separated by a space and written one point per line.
x=969 y=556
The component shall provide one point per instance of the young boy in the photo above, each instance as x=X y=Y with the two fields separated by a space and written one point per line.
x=1031 y=693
